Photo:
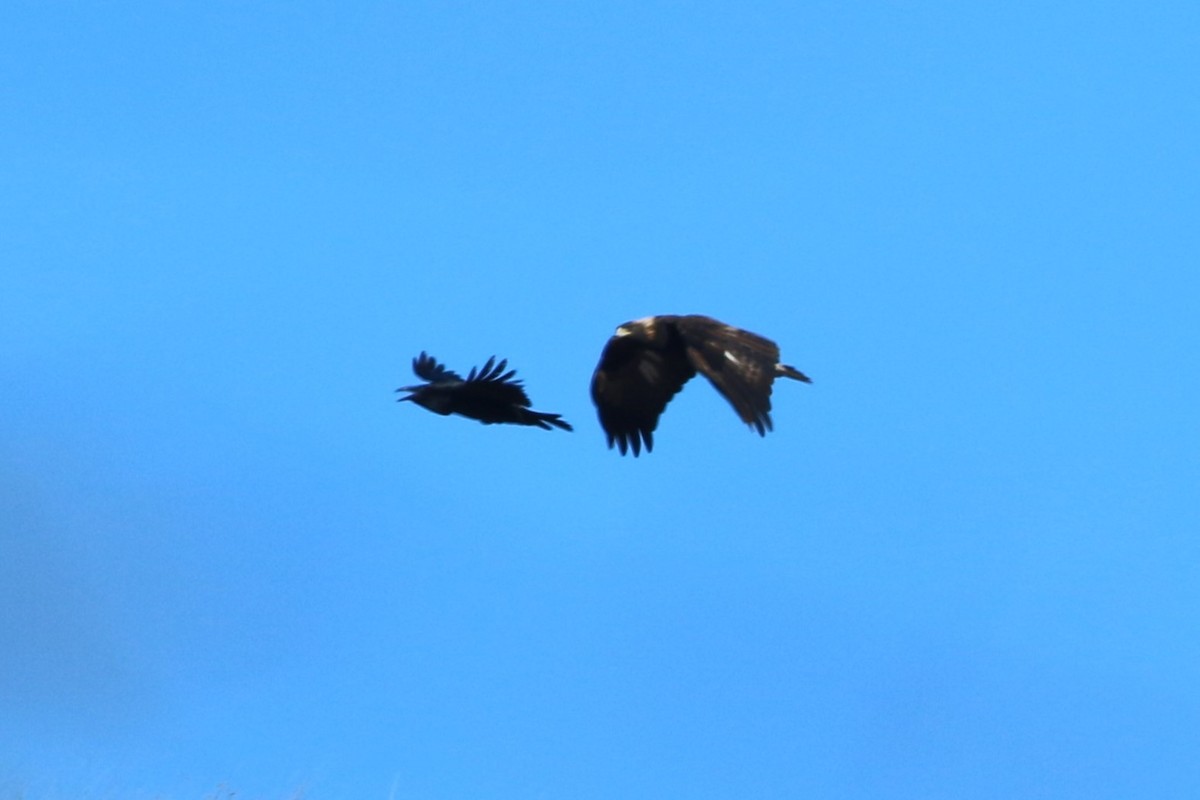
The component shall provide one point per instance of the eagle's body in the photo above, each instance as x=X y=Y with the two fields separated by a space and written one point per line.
x=648 y=361
x=489 y=394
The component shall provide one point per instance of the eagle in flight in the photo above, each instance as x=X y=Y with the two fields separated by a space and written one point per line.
x=648 y=361
x=489 y=394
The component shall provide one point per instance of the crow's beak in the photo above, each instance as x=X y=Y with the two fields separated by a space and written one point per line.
x=406 y=389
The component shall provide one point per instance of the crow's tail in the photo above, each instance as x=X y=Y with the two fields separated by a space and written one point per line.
x=540 y=418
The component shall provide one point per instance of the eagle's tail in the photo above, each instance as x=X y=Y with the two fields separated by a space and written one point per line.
x=791 y=372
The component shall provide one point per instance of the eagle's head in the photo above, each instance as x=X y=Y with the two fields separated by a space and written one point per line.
x=644 y=328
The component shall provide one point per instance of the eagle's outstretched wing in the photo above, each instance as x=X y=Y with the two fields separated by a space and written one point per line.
x=741 y=366
x=631 y=386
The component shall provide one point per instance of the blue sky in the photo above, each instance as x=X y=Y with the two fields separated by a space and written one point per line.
x=965 y=564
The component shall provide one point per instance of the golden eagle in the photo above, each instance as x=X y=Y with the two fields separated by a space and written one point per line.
x=648 y=361
x=488 y=394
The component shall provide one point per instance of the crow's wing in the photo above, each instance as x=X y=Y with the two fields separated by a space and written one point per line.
x=490 y=383
x=427 y=368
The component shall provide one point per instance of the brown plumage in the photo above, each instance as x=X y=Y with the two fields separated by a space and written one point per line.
x=489 y=394
x=648 y=361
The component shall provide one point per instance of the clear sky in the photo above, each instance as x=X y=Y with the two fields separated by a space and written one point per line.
x=966 y=564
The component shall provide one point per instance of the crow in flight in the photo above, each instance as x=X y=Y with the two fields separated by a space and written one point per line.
x=489 y=394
